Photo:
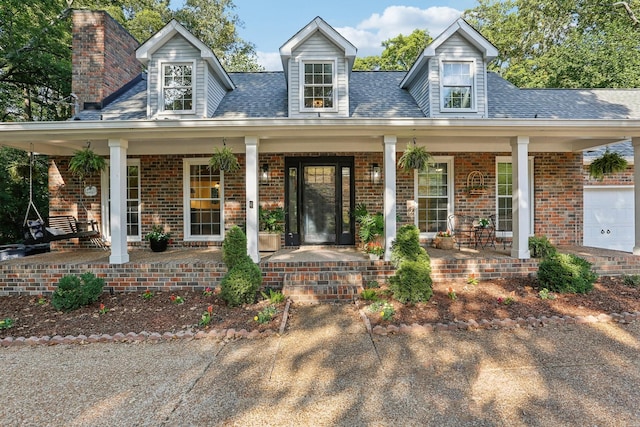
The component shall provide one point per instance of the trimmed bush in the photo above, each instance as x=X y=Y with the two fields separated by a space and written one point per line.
x=541 y=247
x=234 y=247
x=566 y=273
x=74 y=292
x=412 y=280
x=240 y=284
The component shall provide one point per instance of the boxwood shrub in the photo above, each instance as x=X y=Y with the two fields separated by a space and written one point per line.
x=74 y=292
x=234 y=247
x=566 y=273
x=240 y=285
x=412 y=281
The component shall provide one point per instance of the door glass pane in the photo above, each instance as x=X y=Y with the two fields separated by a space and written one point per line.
x=204 y=201
x=292 y=220
x=319 y=201
x=346 y=200
x=433 y=198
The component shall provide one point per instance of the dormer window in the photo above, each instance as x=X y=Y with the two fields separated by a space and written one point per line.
x=318 y=87
x=457 y=85
x=177 y=87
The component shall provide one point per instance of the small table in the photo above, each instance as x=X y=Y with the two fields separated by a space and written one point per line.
x=484 y=236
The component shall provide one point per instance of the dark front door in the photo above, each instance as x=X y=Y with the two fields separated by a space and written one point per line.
x=319 y=200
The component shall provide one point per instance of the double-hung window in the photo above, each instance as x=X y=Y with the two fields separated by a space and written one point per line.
x=434 y=192
x=203 y=201
x=457 y=89
x=318 y=86
x=177 y=87
x=133 y=201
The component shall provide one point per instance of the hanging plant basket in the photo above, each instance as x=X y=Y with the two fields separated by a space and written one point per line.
x=414 y=157
x=607 y=164
x=224 y=160
x=85 y=163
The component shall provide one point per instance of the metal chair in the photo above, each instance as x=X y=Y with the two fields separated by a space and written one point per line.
x=461 y=227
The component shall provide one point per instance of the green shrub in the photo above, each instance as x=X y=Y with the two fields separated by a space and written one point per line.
x=566 y=273
x=369 y=295
x=234 y=247
x=74 y=292
x=632 y=280
x=274 y=296
x=240 y=284
x=412 y=281
x=541 y=247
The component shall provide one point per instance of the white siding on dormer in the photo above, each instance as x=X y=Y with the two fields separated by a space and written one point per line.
x=178 y=49
x=420 y=89
x=318 y=48
x=458 y=48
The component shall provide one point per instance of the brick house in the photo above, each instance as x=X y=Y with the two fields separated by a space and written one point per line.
x=318 y=139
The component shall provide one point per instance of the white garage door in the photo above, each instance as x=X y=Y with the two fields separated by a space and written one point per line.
x=608 y=218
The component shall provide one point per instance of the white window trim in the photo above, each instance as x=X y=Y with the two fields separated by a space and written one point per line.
x=161 y=109
x=532 y=214
x=474 y=89
x=450 y=195
x=334 y=79
x=186 y=208
x=104 y=208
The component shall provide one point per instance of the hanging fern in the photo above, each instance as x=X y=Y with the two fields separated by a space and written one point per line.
x=85 y=163
x=224 y=160
x=606 y=164
x=414 y=157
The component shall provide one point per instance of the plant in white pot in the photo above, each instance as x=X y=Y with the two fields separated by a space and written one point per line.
x=271 y=227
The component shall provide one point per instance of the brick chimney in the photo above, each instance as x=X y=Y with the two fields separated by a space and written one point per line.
x=103 y=58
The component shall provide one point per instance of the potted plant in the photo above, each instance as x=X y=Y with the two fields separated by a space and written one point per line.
x=414 y=157
x=224 y=160
x=158 y=238
x=371 y=226
x=85 y=163
x=606 y=164
x=374 y=249
x=444 y=240
x=271 y=227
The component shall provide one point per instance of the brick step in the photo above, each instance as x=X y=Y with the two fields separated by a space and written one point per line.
x=322 y=286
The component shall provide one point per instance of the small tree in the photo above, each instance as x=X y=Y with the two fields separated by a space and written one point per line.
x=234 y=247
x=412 y=280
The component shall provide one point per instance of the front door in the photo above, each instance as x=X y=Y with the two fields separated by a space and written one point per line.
x=319 y=194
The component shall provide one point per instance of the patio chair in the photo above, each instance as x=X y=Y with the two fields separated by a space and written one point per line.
x=497 y=232
x=461 y=227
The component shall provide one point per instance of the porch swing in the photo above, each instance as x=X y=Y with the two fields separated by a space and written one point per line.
x=62 y=227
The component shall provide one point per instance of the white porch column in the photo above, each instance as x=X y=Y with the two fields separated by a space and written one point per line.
x=636 y=193
x=253 y=202
x=389 y=193
x=520 y=202
x=118 y=187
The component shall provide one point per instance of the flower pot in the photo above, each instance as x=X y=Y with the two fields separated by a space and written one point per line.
x=374 y=257
x=158 y=245
x=268 y=242
x=445 y=242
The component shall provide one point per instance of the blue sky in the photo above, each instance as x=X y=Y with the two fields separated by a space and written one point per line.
x=366 y=23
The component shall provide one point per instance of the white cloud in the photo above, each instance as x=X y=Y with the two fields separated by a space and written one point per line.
x=368 y=35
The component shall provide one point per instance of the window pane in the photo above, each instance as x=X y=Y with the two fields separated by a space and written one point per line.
x=318 y=86
x=433 y=198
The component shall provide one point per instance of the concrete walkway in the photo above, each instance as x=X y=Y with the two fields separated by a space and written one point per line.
x=327 y=370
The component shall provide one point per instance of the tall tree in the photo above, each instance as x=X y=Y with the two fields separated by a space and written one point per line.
x=399 y=52
x=561 y=43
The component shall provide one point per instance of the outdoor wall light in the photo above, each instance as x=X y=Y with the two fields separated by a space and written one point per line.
x=375 y=173
x=264 y=173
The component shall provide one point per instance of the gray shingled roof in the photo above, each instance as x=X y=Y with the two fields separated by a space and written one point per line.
x=377 y=94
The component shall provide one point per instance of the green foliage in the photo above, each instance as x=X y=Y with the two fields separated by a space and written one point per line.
x=370 y=226
x=234 y=247
x=157 y=234
x=414 y=157
x=6 y=323
x=271 y=220
x=607 y=164
x=632 y=280
x=372 y=284
x=240 y=284
x=369 y=295
x=85 y=163
x=541 y=247
x=74 y=292
x=224 y=160
x=274 y=297
x=385 y=309
x=399 y=53
x=566 y=273
x=545 y=294
x=547 y=43
x=412 y=280
x=266 y=314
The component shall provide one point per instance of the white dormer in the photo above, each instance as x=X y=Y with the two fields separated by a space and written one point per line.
x=317 y=62
x=185 y=78
x=449 y=78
